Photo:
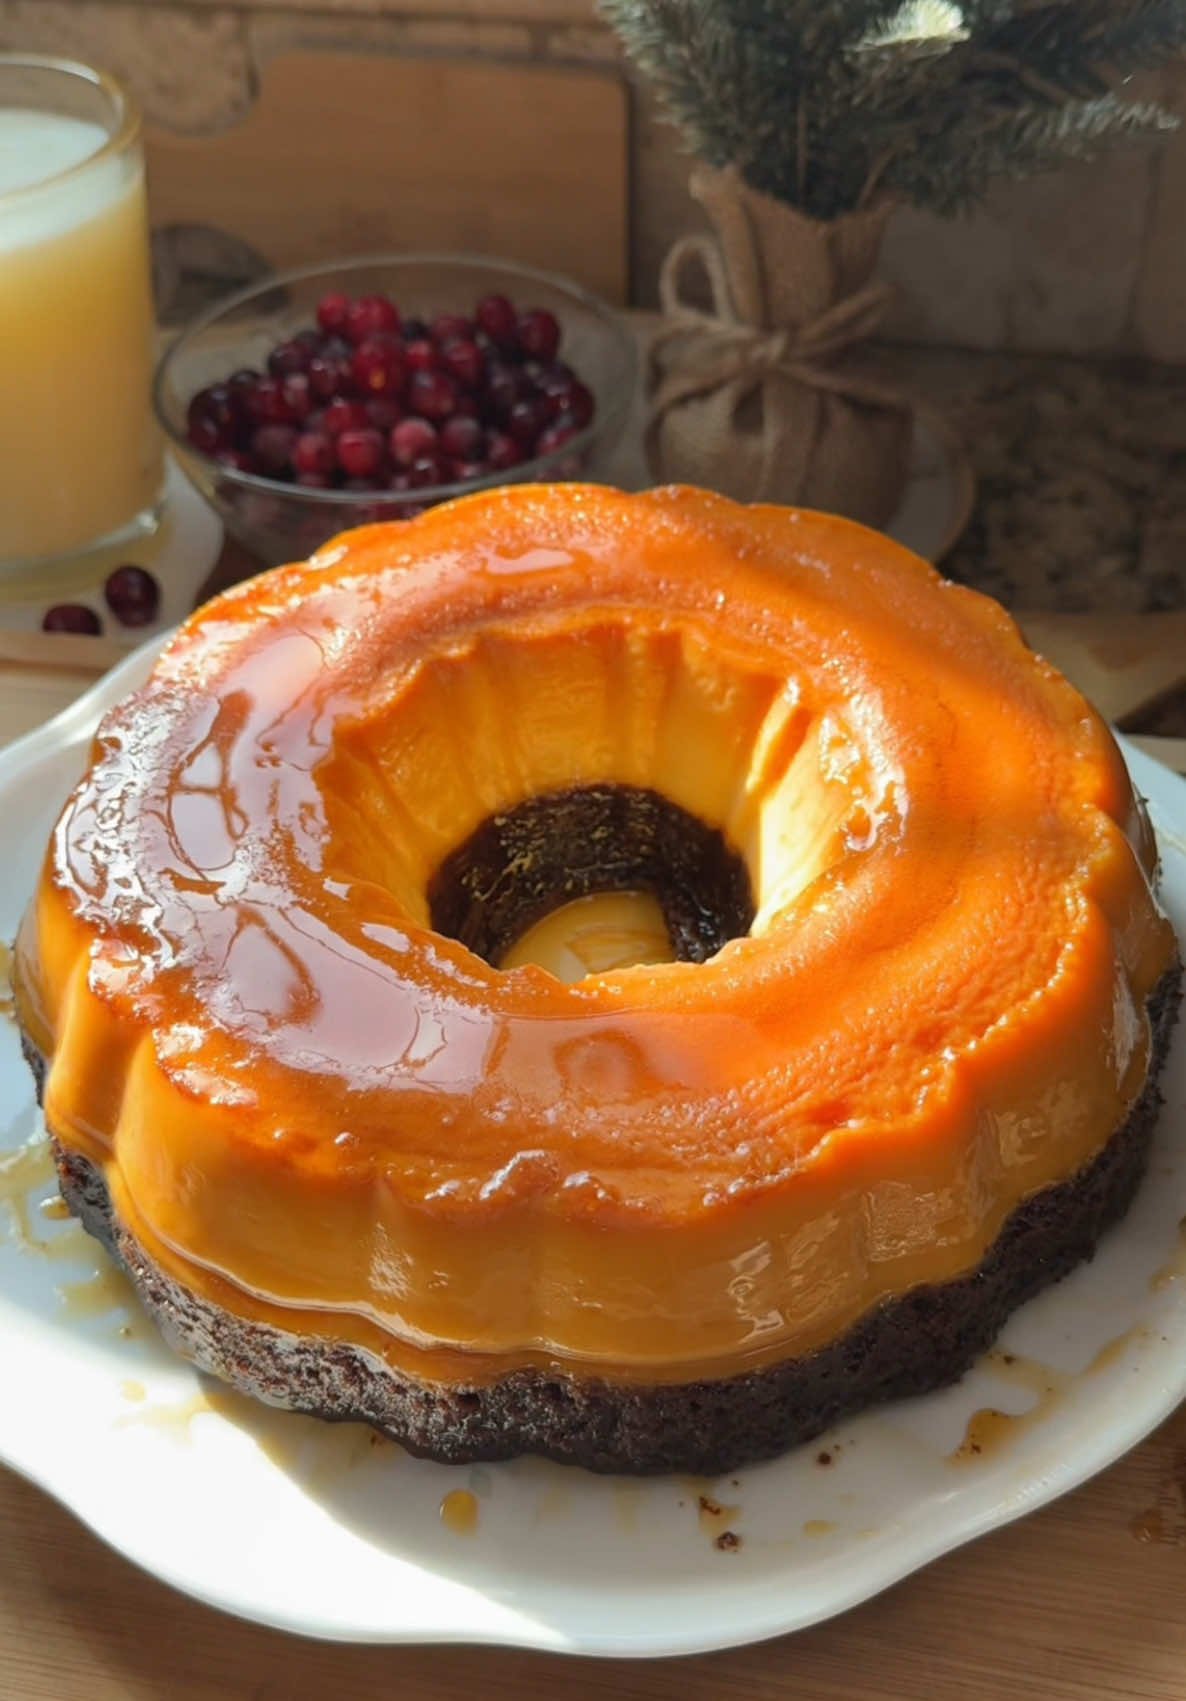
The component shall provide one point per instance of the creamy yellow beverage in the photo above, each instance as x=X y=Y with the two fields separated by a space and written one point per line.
x=79 y=457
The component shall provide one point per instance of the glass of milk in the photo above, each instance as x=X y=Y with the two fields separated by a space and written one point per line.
x=80 y=460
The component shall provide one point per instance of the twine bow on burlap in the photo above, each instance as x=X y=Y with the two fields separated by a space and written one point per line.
x=757 y=394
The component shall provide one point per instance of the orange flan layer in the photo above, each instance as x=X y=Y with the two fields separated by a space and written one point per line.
x=313 y=1109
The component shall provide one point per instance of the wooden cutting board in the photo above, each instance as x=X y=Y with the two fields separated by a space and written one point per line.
x=1121 y=662
x=345 y=153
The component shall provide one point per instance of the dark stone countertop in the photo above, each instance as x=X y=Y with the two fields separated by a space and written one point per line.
x=1081 y=468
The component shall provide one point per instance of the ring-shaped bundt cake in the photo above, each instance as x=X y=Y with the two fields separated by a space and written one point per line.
x=674 y=1215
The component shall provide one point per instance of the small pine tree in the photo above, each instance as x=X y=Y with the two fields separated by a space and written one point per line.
x=832 y=105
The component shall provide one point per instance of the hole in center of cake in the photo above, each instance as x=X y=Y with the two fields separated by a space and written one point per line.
x=590 y=878
x=485 y=787
x=591 y=936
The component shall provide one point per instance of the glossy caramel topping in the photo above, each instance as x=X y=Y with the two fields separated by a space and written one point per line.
x=309 y=1100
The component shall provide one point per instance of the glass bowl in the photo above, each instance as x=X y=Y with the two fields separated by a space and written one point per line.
x=280 y=522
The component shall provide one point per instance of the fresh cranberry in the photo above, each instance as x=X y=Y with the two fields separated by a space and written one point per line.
x=239 y=387
x=578 y=402
x=360 y=484
x=225 y=402
x=71 y=617
x=465 y=361
x=452 y=399
x=462 y=472
x=566 y=394
x=313 y=452
x=298 y=393
x=527 y=419
x=421 y=355
x=332 y=310
x=502 y=451
x=369 y=316
x=553 y=381
x=432 y=394
x=205 y=435
x=462 y=438
x=411 y=438
x=378 y=365
x=425 y=471
x=237 y=459
x=360 y=453
x=329 y=376
x=539 y=334
x=132 y=595
x=246 y=378
x=497 y=318
x=557 y=435
x=448 y=327
x=342 y=415
x=504 y=387
x=383 y=412
x=288 y=357
x=272 y=447
x=266 y=404
x=212 y=418
x=555 y=375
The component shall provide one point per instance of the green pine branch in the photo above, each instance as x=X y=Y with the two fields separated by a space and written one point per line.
x=952 y=177
x=824 y=103
x=1074 y=42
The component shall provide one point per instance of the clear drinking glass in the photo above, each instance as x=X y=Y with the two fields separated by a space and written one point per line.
x=80 y=456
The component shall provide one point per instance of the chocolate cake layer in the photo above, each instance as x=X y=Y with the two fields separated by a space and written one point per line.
x=906 y=1346
x=524 y=862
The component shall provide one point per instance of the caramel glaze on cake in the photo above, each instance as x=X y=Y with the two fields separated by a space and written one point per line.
x=674 y=1216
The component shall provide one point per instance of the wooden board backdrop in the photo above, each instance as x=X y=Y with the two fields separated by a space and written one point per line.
x=348 y=153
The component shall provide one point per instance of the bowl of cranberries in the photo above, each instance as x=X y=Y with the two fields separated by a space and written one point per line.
x=371 y=389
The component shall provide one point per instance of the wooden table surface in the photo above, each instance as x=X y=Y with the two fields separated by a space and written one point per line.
x=1066 y=1605
x=1083 y=1601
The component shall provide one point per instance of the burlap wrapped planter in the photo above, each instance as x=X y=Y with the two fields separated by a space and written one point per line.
x=762 y=396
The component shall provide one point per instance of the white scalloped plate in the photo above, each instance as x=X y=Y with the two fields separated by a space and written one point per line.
x=323 y=1531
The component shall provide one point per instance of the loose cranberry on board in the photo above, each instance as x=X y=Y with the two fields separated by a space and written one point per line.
x=71 y=617
x=133 y=595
